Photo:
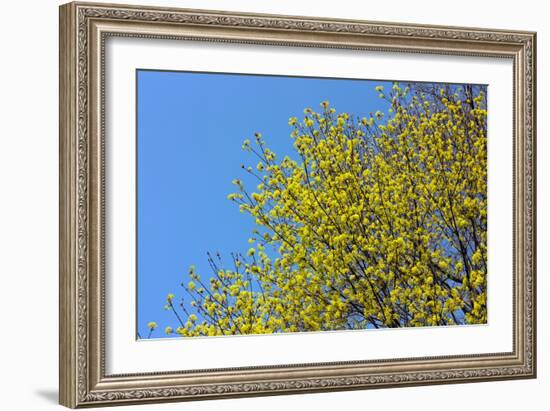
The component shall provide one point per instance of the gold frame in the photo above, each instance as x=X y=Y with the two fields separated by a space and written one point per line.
x=83 y=30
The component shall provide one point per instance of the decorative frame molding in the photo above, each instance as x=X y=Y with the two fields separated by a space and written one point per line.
x=83 y=30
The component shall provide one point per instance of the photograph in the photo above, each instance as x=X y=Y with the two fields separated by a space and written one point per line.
x=275 y=204
x=271 y=205
x=259 y=203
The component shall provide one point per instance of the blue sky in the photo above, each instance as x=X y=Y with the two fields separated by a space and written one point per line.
x=190 y=128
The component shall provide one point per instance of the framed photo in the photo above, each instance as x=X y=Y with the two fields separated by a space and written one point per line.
x=258 y=204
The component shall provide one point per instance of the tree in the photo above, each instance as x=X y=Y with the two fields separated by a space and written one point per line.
x=377 y=223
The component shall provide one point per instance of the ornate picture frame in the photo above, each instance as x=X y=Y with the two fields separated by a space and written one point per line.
x=84 y=30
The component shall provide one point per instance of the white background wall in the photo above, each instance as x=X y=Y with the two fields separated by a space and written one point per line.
x=29 y=190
